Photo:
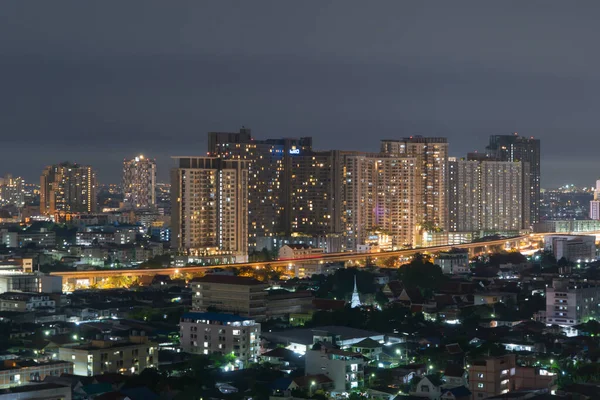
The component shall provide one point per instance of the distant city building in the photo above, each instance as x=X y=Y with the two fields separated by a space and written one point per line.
x=574 y=248
x=139 y=182
x=293 y=189
x=12 y=191
x=567 y=226
x=485 y=195
x=379 y=195
x=222 y=334
x=210 y=207
x=595 y=204
x=569 y=303
x=234 y=294
x=67 y=189
x=431 y=154
x=527 y=151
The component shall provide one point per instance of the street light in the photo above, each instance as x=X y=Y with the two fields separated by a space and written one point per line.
x=313 y=383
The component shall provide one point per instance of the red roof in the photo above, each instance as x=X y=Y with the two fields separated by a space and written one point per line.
x=229 y=280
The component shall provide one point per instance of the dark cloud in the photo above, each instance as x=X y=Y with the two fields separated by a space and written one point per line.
x=96 y=82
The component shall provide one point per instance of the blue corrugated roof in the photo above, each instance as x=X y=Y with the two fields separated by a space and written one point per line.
x=213 y=316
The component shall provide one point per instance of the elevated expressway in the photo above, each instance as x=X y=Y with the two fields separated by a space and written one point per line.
x=93 y=276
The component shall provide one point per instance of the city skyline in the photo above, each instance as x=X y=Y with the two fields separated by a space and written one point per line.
x=338 y=77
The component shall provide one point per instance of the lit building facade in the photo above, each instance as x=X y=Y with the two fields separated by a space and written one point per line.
x=66 y=189
x=233 y=294
x=222 y=334
x=127 y=357
x=595 y=204
x=492 y=376
x=569 y=303
x=345 y=368
x=485 y=196
x=139 y=182
x=431 y=154
x=210 y=207
x=527 y=151
x=293 y=189
x=12 y=191
x=379 y=194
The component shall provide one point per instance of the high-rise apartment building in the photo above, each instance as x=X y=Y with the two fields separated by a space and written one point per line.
x=292 y=187
x=314 y=186
x=379 y=195
x=139 y=182
x=431 y=154
x=11 y=191
x=484 y=195
x=527 y=151
x=210 y=207
x=595 y=204
x=67 y=188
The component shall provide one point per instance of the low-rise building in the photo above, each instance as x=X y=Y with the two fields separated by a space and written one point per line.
x=20 y=301
x=344 y=368
x=282 y=303
x=494 y=297
x=294 y=251
x=129 y=356
x=570 y=303
x=453 y=262
x=39 y=391
x=243 y=296
x=17 y=372
x=216 y=333
x=574 y=248
x=492 y=376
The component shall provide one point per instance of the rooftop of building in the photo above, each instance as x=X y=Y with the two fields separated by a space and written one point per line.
x=21 y=295
x=18 y=364
x=306 y=335
x=228 y=280
x=214 y=316
x=106 y=344
x=31 y=388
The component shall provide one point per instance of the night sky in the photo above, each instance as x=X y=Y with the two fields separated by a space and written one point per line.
x=95 y=82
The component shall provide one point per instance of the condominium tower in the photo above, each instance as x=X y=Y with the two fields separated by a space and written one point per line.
x=379 y=195
x=67 y=188
x=431 y=154
x=210 y=207
x=485 y=195
x=293 y=188
x=139 y=182
x=527 y=151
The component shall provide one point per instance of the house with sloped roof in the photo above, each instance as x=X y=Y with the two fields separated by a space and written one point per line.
x=455 y=376
x=369 y=348
x=430 y=386
x=456 y=393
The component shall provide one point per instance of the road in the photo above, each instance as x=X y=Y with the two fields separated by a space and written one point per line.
x=474 y=248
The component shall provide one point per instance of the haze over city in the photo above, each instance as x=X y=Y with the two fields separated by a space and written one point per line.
x=96 y=83
x=310 y=200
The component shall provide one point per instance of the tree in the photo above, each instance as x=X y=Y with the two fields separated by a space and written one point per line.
x=421 y=273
